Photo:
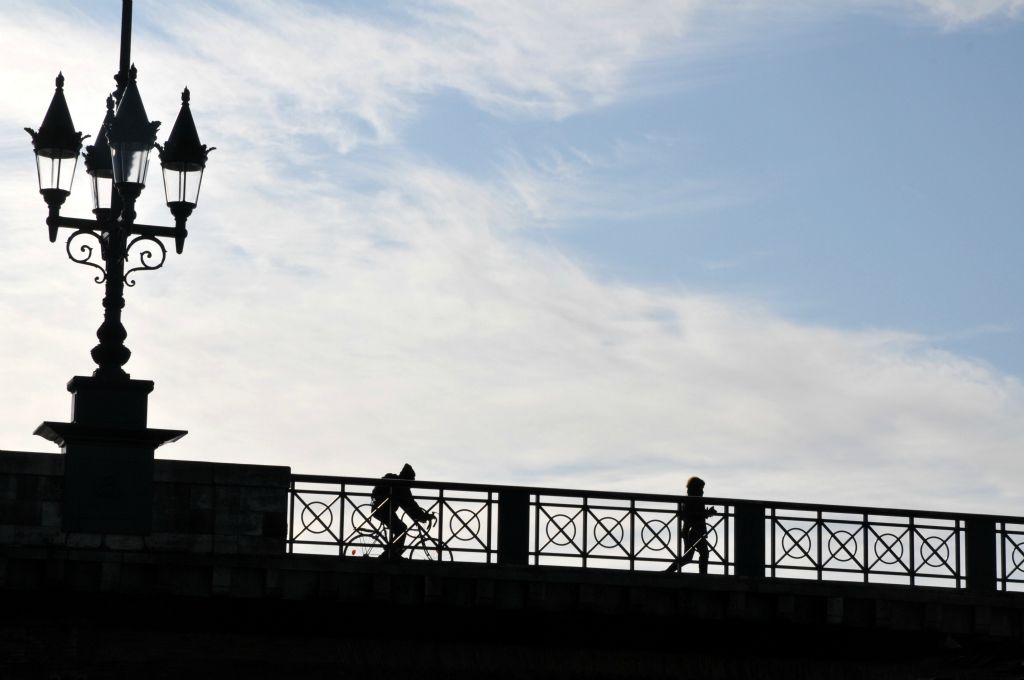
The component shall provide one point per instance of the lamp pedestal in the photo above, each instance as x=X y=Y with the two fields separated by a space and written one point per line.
x=108 y=468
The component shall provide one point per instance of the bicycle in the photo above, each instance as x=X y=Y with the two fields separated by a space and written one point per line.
x=370 y=539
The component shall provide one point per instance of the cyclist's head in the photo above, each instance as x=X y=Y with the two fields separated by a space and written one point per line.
x=407 y=472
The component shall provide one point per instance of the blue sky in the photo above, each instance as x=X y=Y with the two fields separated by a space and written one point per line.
x=861 y=173
x=592 y=244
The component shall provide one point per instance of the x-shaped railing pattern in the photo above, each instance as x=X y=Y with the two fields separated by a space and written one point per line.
x=317 y=517
x=874 y=548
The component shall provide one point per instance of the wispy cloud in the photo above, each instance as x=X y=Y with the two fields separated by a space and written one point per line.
x=956 y=14
x=343 y=308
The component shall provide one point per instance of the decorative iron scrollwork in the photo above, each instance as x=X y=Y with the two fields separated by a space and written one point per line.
x=146 y=255
x=85 y=252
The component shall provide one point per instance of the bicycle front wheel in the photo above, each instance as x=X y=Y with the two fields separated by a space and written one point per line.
x=430 y=550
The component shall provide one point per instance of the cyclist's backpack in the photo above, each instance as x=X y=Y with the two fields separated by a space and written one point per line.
x=382 y=491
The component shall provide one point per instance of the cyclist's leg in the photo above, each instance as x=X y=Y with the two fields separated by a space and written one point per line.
x=380 y=513
x=397 y=530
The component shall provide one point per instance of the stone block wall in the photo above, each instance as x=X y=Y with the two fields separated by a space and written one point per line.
x=31 y=493
x=198 y=507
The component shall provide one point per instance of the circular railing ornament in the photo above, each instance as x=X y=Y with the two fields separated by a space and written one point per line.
x=1018 y=556
x=842 y=546
x=312 y=517
x=608 y=529
x=711 y=538
x=560 y=529
x=469 y=524
x=656 y=530
x=796 y=543
x=888 y=548
x=935 y=548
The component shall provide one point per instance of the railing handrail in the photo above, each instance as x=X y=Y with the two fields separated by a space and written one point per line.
x=662 y=498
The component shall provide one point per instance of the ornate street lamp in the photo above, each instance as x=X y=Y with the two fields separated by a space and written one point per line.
x=108 y=447
x=117 y=164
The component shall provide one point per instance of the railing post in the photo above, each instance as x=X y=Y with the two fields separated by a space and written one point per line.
x=750 y=540
x=981 y=554
x=513 y=526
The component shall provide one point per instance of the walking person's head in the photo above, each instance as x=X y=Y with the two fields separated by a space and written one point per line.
x=407 y=472
x=695 y=486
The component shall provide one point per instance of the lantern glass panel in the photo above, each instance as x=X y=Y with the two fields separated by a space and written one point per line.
x=182 y=181
x=102 y=186
x=130 y=162
x=56 y=171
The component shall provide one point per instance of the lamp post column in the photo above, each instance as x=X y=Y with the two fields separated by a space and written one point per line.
x=111 y=353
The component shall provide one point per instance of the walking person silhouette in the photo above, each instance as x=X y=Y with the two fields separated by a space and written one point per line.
x=695 y=528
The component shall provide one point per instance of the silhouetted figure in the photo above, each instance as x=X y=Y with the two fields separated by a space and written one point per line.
x=387 y=499
x=695 y=528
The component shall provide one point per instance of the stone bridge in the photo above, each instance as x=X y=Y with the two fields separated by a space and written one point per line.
x=251 y=571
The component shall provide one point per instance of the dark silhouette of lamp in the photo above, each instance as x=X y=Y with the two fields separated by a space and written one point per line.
x=183 y=159
x=108 y=472
x=100 y=167
x=131 y=137
x=56 y=146
x=117 y=165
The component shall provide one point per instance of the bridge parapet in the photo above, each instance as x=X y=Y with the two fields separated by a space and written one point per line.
x=219 y=508
x=520 y=569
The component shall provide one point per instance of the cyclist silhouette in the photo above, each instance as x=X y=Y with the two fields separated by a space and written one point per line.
x=695 y=528
x=387 y=500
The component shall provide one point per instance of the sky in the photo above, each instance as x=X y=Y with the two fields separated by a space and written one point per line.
x=595 y=244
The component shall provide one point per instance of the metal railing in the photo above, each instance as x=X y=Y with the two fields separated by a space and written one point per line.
x=644 y=532
x=336 y=515
x=876 y=545
x=621 y=531
x=1010 y=569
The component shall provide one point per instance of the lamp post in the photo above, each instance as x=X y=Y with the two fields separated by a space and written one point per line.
x=108 y=447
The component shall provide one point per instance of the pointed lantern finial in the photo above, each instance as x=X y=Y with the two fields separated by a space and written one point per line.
x=183 y=151
x=57 y=137
x=97 y=156
x=131 y=135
